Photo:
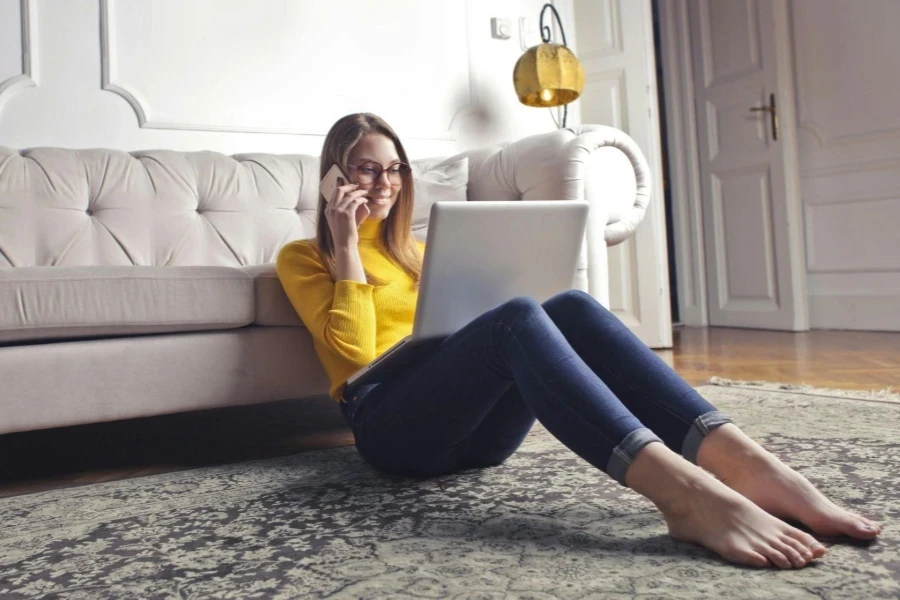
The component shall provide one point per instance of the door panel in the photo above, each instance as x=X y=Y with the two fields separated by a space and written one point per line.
x=742 y=206
x=730 y=49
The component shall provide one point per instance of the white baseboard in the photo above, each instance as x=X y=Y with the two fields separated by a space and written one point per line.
x=868 y=313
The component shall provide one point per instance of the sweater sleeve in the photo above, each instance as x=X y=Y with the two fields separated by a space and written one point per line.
x=341 y=315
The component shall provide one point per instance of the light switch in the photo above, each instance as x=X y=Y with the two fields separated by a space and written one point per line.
x=529 y=33
x=501 y=29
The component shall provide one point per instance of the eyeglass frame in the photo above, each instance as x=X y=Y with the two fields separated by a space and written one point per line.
x=383 y=169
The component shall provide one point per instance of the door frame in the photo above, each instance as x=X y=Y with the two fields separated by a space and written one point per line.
x=684 y=163
x=637 y=291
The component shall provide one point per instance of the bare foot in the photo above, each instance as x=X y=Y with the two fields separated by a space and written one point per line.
x=746 y=467
x=701 y=510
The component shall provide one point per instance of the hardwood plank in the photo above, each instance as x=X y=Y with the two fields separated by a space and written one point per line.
x=72 y=456
x=860 y=360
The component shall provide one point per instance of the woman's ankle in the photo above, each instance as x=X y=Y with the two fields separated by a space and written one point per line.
x=727 y=449
x=664 y=477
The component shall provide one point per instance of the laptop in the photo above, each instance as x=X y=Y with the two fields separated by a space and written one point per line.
x=479 y=255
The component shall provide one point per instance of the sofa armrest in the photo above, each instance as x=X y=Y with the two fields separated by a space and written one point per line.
x=600 y=164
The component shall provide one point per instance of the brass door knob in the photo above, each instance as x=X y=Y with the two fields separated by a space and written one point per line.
x=772 y=113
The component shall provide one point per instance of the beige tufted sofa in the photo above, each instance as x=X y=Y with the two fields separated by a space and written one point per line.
x=143 y=283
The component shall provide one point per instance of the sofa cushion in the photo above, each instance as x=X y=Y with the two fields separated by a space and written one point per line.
x=139 y=376
x=273 y=309
x=47 y=303
x=437 y=181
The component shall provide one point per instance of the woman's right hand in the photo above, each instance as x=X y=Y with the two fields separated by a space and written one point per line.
x=345 y=212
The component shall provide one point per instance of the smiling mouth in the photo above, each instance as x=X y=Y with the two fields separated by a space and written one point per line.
x=379 y=201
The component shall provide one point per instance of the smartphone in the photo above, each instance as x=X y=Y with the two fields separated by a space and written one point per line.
x=329 y=182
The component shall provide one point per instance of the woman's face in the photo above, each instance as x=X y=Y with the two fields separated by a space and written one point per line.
x=375 y=153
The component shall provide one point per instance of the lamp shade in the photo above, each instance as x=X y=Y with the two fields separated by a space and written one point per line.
x=548 y=75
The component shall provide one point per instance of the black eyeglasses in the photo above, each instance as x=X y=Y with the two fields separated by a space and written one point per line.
x=370 y=171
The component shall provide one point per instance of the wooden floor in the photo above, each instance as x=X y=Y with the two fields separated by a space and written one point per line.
x=861 y=360
x=50 y=459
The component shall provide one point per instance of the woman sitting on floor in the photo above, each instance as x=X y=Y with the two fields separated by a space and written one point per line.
x=569 y=363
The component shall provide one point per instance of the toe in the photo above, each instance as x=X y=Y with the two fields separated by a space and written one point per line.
x=800 y=548
x=857 y=526
x=792 y=554
x=837 y=522
x=871 y=523
x=818 y=549
x=861 y=529
x=806 y=540
x=752 y=558
x=776 y=557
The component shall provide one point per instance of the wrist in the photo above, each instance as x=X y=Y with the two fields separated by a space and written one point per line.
x=348 y=248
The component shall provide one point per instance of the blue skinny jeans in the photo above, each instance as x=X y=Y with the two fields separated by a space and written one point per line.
x=569 y=363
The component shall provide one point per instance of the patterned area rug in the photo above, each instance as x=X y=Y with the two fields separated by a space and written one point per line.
x=543 y=525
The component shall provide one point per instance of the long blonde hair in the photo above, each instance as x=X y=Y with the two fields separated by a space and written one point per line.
x=396 y=233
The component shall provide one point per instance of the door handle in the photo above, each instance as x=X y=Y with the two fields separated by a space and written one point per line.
x=773 y=114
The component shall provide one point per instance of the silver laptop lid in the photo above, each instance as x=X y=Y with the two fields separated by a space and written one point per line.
x=480 y=254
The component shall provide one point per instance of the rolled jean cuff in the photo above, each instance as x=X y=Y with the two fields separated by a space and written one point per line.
x=623 y=454
x=700 y=429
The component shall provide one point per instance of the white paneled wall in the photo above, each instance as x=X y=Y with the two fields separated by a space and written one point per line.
x=17 y=54
x=848 y=94
x=267 y=75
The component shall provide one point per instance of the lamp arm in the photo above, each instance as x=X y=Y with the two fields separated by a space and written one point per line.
x=545 y=30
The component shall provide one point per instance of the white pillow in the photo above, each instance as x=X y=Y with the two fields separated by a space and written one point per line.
x=437 y=180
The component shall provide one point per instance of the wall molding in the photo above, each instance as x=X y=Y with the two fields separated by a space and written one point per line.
x=140 y=104
x=866 y=270
x=28 y=77
x=106 y=61
x=808 y=125
x=850 y=139
x=847 y=168
x=816 y=201
x=871 y=252
x=874 y=183
x=864 y=313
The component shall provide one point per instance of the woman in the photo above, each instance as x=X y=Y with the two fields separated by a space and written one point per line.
x=567 y=362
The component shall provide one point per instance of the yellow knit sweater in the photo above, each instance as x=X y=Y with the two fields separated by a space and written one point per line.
x=351 y=323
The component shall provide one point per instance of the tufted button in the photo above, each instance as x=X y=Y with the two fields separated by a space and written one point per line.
x=89 y=212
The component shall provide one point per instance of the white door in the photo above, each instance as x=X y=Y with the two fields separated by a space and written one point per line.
x=752 y=216
x=614 y=42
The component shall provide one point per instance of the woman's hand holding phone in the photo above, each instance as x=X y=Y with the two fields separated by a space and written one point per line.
x=345 y=212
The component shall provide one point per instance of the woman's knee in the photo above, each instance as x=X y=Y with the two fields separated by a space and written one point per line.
x=570 y=301
x=522 y=304
x=520 y=307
